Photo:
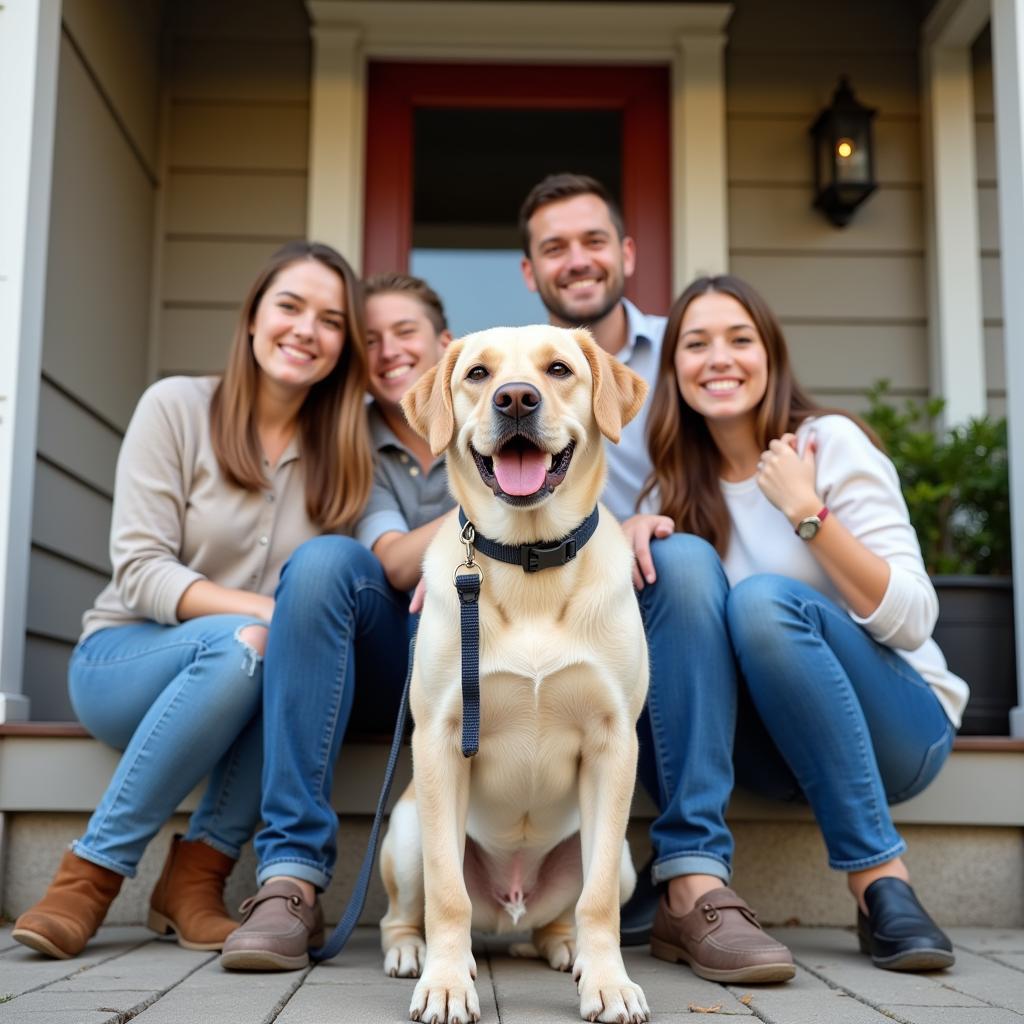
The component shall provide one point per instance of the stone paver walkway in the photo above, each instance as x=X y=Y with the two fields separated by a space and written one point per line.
x=129 y=974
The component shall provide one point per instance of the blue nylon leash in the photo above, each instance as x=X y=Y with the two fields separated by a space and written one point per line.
x=468 y=586
x=354 y=908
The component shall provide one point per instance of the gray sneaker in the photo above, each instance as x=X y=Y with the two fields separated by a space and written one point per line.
x=277 y=931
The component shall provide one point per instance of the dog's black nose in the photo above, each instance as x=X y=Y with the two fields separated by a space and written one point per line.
x=516 y=399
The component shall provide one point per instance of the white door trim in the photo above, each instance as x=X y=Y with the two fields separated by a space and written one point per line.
x=687 y=37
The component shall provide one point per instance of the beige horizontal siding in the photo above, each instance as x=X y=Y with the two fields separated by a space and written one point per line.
x=247 y=69
x=74 y=438
x=119 y=40
x=98 y=276
x=764 y=83
x=59 y=593
x=839 y=287
x=71 y=520
x=852 y=356
x=837 y=28
x=217 y=272
x=852 y=299
x=257 y=136
x=781 y=219
x=775 y=149
x=236 y=205
x=46 y=666
x=237 y=156
x=196 y=340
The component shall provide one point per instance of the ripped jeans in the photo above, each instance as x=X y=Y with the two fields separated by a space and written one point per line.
x=183 y=702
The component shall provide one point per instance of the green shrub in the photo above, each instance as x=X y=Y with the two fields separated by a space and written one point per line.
x=956 y=483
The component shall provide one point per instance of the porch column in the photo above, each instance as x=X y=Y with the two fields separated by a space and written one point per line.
x=1008 y=68
x=29 y=38
x=337 y=144
x=700 y=187
x=956 y=328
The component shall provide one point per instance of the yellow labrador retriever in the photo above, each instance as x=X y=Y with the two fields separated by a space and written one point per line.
x=529 y=833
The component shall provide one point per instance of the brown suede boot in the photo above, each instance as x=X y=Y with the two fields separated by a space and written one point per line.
x=189 y=898
x=74 y=906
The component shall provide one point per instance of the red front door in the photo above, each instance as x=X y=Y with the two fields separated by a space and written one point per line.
x=452 y=150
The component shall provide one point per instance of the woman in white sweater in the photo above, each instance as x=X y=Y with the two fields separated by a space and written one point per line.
x=789 y=622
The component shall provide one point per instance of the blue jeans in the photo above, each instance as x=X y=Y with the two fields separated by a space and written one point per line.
x=182 y=702
x=813 y=707
x=336 y=617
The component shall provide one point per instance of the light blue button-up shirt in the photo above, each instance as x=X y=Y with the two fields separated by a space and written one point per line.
x=629 y=463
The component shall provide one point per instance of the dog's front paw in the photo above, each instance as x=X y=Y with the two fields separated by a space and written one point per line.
x=445 y=996
x=405 y=958
x=609 y=996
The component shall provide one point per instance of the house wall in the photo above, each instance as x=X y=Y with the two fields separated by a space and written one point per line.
x=238 y=142
x=96 y=330
x=988 y=218
x=852 y=300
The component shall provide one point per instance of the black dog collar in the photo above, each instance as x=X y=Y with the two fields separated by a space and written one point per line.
x=539 y=555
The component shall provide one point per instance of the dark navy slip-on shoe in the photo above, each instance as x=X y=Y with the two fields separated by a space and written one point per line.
x=897 y=932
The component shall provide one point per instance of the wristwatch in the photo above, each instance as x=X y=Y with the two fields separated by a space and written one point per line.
x=807 y=528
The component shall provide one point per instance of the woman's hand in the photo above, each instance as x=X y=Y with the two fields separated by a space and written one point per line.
x=787 y=479
x=640 y=531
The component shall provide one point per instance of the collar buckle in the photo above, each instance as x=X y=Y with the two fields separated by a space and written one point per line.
x=535 y=557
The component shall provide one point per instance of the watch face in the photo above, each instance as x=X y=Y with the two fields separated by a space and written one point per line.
x=808 y=528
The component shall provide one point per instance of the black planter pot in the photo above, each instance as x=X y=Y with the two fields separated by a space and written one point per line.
x=975 y=632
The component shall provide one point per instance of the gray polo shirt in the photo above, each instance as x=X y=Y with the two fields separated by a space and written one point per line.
x=629 y=462
x=403 y=496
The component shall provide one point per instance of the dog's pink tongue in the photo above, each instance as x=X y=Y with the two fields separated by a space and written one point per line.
x=521 y=472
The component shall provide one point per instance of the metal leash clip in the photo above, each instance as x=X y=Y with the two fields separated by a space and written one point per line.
x=467 y=536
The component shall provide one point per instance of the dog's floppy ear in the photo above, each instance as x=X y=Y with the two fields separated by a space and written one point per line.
x=619 y=393
x=428 y=403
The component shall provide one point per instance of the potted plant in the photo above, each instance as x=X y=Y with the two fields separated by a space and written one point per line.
x=956 y=484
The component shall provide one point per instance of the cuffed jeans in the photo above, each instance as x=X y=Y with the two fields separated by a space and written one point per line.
x=182 y=702
x=336 y=617
x=819 y=711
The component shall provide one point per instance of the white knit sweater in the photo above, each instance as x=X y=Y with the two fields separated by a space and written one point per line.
x=859 y=485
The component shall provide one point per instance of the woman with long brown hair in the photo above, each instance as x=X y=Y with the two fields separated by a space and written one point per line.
x=219 y=480
x=789 y=617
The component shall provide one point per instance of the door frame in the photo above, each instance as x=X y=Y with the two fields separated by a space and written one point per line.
x=396 y=90
x=688 y=38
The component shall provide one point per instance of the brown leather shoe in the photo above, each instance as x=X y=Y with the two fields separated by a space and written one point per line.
x=189 y=897
x=277 y=931
x=721 y=940
x=74 y=906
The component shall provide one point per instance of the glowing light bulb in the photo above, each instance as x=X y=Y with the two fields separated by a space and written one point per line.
x=844 y=149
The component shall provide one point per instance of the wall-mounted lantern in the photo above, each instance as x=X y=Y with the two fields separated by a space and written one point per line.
x=844 y=158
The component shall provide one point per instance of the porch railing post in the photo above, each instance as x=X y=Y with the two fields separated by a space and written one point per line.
x=1008 y=67
x=29 y=41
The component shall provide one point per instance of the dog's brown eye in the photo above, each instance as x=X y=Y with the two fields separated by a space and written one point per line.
x=477 y=373
x=559 y=370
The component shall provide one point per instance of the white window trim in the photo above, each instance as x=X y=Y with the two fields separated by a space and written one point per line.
x=689 y=38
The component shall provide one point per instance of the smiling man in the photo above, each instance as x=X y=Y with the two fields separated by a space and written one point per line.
x=577 y=258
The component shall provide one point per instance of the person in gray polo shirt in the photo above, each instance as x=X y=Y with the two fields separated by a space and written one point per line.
x=353 y=623
x=406 y=334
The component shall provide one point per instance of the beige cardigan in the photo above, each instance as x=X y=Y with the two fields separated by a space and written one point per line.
x=177 y=520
